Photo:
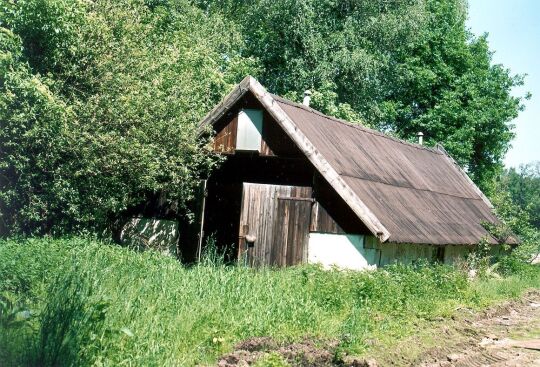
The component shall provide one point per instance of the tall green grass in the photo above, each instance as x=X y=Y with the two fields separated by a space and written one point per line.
x=98 y=304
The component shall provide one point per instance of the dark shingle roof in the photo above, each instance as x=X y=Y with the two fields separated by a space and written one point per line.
x=416 y=192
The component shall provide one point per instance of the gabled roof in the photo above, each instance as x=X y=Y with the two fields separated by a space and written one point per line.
x=402 y=192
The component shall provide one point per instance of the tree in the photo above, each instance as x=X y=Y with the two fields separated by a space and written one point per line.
x=100 y=99
x=398 y=66
x=523 y=186
x=515 y=197
x=100 y=104
x=33 y=182
x=465 y=101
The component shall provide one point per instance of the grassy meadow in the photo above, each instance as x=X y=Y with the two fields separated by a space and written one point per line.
x=78 y=301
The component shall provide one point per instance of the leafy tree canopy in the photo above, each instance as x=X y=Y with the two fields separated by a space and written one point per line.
x=523 y=186
x=516 y=197
x=99 y=103
x=398 y=66
x=99 y=100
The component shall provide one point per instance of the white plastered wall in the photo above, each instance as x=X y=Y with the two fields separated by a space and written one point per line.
x=406 y=253
x=454 y=253
x=344 y=251
x=358 y=252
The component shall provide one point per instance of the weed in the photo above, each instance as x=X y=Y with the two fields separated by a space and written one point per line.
x=105 y=305
x=272 y=359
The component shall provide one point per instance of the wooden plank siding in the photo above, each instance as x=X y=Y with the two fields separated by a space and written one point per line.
x=274 y=141
x=323 y=222
x=225 y=139
x=331 y=214
x=278 y=223
x=267 y=135
x=293 y=226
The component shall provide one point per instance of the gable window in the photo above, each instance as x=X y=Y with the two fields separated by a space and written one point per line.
x=249 y=133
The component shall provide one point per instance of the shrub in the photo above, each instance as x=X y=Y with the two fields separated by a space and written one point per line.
x=99 y=105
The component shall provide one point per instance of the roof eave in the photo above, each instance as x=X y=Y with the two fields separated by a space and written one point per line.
x=227 y=102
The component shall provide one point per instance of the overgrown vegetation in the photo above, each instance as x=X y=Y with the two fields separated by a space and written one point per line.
x=92 y=303
x=99 y=100
x=99 y=104
x=522 y=186
x=399 y=66
x=515 y=195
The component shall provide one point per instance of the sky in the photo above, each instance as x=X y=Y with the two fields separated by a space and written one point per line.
x=513 y=28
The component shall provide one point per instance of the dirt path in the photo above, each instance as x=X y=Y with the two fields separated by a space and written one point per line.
x=507 y=335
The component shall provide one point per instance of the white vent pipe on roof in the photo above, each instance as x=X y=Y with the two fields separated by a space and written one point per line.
x=420 y=138
x=307 y=98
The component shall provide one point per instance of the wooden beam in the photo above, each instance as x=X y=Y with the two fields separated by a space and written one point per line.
x=295 y=198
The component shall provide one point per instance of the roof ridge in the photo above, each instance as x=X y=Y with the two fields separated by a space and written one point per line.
x=356 y=126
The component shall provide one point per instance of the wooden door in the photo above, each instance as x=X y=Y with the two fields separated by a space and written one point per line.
x=274 y=224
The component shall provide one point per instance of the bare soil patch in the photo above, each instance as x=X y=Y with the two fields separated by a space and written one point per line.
x=306 y=353
x=507 y=335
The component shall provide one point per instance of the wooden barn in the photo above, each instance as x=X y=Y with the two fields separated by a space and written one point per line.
x=298 y=186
